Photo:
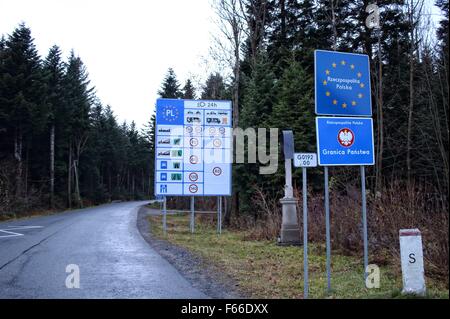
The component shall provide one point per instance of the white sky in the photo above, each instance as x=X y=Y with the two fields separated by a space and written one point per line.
x=127 y=46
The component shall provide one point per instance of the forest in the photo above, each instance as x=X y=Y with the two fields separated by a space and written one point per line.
x=60 y=147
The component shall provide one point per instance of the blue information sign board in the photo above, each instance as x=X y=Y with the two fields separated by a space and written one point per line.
x=193 y=144
x=342 y=84
x=345 y=141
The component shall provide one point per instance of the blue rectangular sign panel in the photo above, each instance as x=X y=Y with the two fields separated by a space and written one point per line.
x=345 y=141
x=342 y=84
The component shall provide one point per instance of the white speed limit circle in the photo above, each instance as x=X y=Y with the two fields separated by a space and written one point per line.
x=193 y=159
x=217 y=171
x=193 y=188
x=193 y=142
x=193 y=177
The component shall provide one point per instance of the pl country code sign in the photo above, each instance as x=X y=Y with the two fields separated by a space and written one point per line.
x=343 y=141
x=342 y=84
x=193 y=148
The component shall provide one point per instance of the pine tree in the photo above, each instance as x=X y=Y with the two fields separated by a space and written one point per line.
x=170 y=88
x=3 y=110
x=214 y=88
x=21 y=97
x=79 y=97
x=54 y=76
x=442 y=34
x=149 y=135
x=259 y=98
x=295 y=107
x=259 y=95
x=189 y=91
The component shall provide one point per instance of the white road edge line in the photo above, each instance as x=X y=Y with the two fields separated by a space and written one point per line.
x=12 y=234
x=23 y=227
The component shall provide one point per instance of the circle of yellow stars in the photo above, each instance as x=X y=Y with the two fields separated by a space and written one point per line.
x=344 y=63
x=175 y=116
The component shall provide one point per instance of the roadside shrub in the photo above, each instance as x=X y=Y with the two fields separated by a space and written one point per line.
x=398 y=207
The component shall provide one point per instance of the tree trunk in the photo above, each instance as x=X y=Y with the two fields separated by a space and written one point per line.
x=18 y=157
x=69 y=177
x=237 y=73
x=133 y=185
x=333 y=25
x=25 y=180
x=77 y=184
x=143 y=181
x=411 y=94
x=227 y=211
x=379 y=163
x=52 y=166
x=109 y=183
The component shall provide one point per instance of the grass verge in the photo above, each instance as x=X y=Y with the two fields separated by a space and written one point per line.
x=265 y=270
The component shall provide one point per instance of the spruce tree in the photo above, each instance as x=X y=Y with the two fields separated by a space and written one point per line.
x=214 y=88
x=170 y=88
x=189 y=91
x=54 y=75
x=22 y=95
x=79 y=96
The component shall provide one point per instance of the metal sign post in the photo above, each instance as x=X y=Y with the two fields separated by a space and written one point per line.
x=192 y=214
x=305 y=160
x=343 y=90
x=327 y=226
x=219 y=215
x=305 y=234
x=165 y=215
x=364 y=217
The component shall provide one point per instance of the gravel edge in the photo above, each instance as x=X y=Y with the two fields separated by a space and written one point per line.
x=201 y=274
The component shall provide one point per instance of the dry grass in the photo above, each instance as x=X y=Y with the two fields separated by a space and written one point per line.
x=265 y=270
x=397 y=208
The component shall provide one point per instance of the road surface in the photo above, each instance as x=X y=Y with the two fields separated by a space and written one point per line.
x=113 y=259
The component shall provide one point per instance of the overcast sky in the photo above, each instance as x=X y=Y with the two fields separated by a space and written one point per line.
x=127 y=46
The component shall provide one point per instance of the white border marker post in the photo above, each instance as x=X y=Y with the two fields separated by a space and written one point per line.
x=411 y=252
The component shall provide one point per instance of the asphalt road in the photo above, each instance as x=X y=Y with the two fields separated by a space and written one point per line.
x=113 y=259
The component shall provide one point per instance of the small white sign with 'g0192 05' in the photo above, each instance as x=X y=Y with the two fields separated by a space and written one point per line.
x=305 y=160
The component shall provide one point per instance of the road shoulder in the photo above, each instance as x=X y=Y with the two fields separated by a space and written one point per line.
x=197 y=271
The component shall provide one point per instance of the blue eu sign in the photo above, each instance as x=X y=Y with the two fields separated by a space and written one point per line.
x=342 y=84
x=170 y=112
x=344 y=141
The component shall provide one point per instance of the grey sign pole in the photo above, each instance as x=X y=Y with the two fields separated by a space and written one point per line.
x=305 y=234
x=192 y=215
x=364 y=217
x=327 y=226
x=165 y=215
x=219 y=215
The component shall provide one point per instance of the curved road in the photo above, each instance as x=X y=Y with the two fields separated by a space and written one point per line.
x=113 y=259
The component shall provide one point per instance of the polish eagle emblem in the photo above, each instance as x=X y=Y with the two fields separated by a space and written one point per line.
x=346 y=137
